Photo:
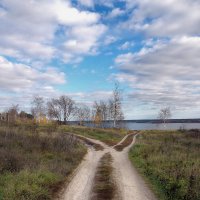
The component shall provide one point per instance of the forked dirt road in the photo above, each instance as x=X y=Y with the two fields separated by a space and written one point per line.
x=130 y=185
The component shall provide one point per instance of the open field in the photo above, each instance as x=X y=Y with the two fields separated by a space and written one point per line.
x=170 y=162
x=108 y=136
x=34 y=165
x=36 y=161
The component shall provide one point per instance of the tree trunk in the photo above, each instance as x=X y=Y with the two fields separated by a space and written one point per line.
x=114 y=123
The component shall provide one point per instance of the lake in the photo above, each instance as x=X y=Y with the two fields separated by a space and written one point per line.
x=167 y=126
x=145 y=126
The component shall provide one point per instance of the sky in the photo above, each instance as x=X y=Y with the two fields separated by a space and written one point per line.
x=80 y=48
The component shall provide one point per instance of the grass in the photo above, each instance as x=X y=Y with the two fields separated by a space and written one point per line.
x=108 y=136
x=34 y=165
x=170 y=162
x=96 y=146
x=125 y=143
x=104 y=187
x=28 y=184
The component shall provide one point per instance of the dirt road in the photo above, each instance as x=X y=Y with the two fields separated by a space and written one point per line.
x=130 y=184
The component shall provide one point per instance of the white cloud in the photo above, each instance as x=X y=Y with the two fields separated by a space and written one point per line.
x=17 y=77
x=28 y=33
x=126 y=45
x=110 y=39
x=167 y=73
x=106 y=3
x=164 y=18
x=84 y=39
x=116 y=12
x=166 y=69
x=88 y=3
x=70 y=16
x=90 y=97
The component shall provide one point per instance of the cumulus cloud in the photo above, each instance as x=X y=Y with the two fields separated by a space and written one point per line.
x=29 y=33
x=88 y=98
x=84 y=39
x=166 y=73
x=88 y=3
x=106 y=3
x=116 y=12
x=20 y=82
x=109 y=39
x=17 y=77
x=164 y=18
x=126 y=45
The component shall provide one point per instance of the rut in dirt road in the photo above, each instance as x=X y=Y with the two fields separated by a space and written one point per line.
x=128 y=183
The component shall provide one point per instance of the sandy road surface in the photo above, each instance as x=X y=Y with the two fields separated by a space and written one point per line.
x=130 y=184
x=81 y=185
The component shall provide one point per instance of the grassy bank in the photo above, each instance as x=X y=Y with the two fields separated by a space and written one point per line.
x=33 y=165
x=108 y=136
x=170 y=161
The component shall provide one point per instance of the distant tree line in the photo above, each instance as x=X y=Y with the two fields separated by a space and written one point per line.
x=12 y=114
x=64 y=108
x=110 y=109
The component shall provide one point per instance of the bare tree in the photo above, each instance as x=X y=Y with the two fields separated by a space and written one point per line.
x=109 y=110
x=100 y=112
x=38 y=107
x=54 y=110
x=103 y=105
x=164 y=114
x=13 y=113
x=67 y=107
x=97 y=114
x=115 y=105
x=83 y=114
x=61 y=109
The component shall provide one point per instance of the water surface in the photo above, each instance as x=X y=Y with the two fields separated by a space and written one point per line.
x=130 y=125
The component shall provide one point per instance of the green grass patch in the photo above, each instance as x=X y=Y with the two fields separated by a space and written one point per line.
x=33 y=166
x=27 y=185
x=170 y=162
x=108 y=136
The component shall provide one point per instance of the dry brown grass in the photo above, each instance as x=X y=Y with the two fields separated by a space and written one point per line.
x=104 y=187
x=125 y=143
x=96 y=146
x=33 y=164
x=109 y=136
